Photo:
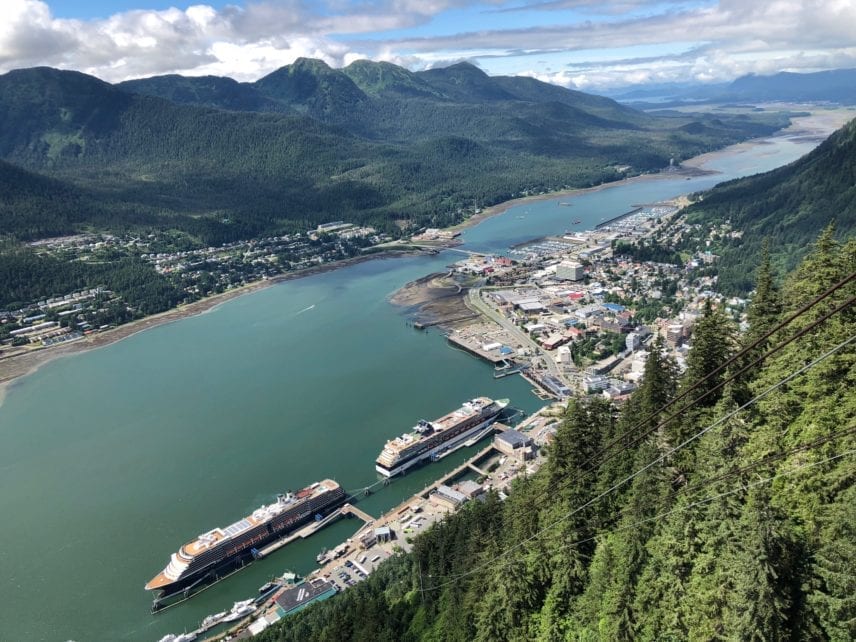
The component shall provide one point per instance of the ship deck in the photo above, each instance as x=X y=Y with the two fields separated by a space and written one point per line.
x=217 y=535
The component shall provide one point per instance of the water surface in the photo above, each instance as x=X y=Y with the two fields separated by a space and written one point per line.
x=111 y=459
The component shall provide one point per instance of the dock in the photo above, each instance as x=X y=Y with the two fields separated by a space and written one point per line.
x=350 y=509
x=470 y=464
x=495 y=359
x=423 y=325
x=614 y=219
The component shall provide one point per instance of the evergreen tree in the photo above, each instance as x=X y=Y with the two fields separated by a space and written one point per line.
x=713 y=344
x=831 y=600
x=766 y=306
x=640 y=415
x=763 y=595
x=763 y=314
x=572 y=485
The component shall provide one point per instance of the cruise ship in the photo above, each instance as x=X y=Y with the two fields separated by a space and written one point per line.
x=220 y=550
x=430 y=438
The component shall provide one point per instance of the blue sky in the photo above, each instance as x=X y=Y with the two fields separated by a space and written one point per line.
x=106 y=8
x=588 y=44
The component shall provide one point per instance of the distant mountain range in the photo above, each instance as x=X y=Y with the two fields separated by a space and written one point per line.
x=219 y=160
x=835 y=86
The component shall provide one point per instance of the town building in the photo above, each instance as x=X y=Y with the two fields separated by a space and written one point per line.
x=447 y=497
x=515 y=444
x=569 y=271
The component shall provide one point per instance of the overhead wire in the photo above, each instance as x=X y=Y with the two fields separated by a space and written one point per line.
x=802 y=332
x=740 y=354
x=710 y=498
x=652 y=463
x=617 y=440
x=587 y=468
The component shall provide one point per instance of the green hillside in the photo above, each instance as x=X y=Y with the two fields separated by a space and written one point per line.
x=205 y=91
x=788 y=206
x=222 y=160
x=718 y=525
x=388 y=80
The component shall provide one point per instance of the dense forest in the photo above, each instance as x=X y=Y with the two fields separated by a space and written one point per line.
x=787 y=206
x=372 y=143
x=26 y=277
x=716 y=505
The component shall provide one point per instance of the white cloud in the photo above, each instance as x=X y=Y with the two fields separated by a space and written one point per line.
x=734 y=37
x=241 y=42
x=723 y=39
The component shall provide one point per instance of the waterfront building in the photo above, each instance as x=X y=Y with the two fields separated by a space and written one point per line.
x=447 y=497
x=515 y=444
x=302 y=595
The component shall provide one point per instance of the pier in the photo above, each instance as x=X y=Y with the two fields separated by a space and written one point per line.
x=603 y=224
x=420 y=325
x=470 y=464
x=475 y=351
x=350 y=509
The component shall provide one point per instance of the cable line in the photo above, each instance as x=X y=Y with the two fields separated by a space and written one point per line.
x=587 y=470
x=739 y=355
x=675 y=414
x=710 y=498
x=655 y=461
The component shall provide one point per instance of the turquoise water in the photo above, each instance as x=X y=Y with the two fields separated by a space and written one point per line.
x=109 y=460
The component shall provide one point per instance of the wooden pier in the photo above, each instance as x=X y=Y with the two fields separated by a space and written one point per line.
x=420 y=325
x=350 y=509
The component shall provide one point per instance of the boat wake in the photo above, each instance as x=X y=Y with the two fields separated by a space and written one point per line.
x=305 y=309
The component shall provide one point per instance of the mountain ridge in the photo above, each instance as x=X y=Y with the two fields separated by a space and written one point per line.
x=316 y=146
x=787 y=205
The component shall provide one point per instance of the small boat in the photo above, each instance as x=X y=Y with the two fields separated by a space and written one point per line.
x=577 y=222
x=264 y=588
x=239 y=610
x=212 y=620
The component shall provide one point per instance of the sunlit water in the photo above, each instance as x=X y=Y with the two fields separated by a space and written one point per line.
x=111 y=459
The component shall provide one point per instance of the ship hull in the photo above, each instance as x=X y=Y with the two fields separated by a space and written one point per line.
x=190 y=583
x=428 y=454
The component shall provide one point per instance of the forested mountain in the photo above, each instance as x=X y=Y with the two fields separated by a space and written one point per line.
x=731 y=515
x=33 y=206
x=205 y=91
x=787 y=206
x=373 y=143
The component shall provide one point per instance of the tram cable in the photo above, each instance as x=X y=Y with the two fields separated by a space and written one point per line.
x=650 y=464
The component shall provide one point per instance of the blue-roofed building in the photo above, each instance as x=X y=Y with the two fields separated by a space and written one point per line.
x=614 y=307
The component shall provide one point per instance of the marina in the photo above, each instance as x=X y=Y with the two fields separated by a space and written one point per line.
x=242 y=389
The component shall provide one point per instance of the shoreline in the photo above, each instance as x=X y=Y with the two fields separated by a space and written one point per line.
x=820 y=123
x=15 y=367
x=18 y=366
x=499 y=208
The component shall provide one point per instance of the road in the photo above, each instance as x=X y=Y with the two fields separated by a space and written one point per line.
x=477 y=304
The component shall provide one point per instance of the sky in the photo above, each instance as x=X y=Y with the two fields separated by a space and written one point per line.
x=592 y=45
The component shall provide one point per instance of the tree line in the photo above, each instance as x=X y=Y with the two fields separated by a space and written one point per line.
x=746 y=532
